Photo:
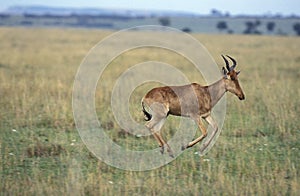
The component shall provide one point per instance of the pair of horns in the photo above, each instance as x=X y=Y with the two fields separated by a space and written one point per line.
x=227 y=63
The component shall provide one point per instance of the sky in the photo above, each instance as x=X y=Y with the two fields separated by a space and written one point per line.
x=285 y=7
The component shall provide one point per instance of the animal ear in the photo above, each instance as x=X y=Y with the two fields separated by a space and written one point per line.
x=238 y=72
x=224 y=72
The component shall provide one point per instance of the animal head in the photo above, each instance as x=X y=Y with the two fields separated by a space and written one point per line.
x=231 y=78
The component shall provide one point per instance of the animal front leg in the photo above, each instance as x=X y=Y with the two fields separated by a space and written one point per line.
x=214 y=125
x=202 y=129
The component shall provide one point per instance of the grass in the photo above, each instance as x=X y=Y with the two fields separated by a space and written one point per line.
x=42 y=153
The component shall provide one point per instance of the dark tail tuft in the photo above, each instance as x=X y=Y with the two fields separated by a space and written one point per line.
x=147 y=115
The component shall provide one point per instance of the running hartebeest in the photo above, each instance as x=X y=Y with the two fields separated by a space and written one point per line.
x=192 y=100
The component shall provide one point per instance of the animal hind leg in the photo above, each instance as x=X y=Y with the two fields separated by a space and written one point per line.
x=157 y=129
x=159 y=115
x=150 y=125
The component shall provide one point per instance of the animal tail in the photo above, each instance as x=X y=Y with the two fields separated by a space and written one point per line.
x=147 y=115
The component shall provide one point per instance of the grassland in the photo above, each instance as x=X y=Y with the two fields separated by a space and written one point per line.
x=42 y=153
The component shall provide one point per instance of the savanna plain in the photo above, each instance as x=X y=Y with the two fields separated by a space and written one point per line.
x=42 y=153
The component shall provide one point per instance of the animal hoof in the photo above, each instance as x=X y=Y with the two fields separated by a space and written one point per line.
x=170 y=153
x=183 y=147
x=162 y=149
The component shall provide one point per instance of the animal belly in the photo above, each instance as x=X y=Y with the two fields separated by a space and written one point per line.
x=183 y=111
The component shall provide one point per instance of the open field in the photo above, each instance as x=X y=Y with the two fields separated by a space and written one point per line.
x=41 y=152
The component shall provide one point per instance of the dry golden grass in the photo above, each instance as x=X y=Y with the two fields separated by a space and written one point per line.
x=257 y=153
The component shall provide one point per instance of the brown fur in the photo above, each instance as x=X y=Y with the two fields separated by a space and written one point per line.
x=171 y=96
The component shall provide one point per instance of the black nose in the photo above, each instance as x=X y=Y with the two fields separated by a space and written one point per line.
x=242 y=97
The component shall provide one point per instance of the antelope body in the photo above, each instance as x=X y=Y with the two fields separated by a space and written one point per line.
x=192 y=100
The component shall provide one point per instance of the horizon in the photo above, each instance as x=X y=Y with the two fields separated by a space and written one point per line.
x=255 y=7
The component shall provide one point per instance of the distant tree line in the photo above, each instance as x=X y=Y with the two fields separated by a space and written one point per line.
x=86 y=16
x=252 y=27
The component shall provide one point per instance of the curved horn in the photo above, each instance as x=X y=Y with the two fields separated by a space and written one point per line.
x=233 y=61
x=226 y=62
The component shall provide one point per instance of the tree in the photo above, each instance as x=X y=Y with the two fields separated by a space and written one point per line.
x=186 y=30
x=251 y=27
x=164 y=21
x=222 y=25
x=270 y=26
x=296 y=28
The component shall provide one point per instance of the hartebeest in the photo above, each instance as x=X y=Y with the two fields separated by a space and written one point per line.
x=192 y=100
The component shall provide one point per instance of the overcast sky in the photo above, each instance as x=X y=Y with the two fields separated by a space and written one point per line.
x=286 y=7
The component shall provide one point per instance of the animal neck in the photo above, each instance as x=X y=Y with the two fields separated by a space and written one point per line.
x=216 y=91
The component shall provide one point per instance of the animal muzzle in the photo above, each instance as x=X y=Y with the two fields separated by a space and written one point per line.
x=241 y=96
